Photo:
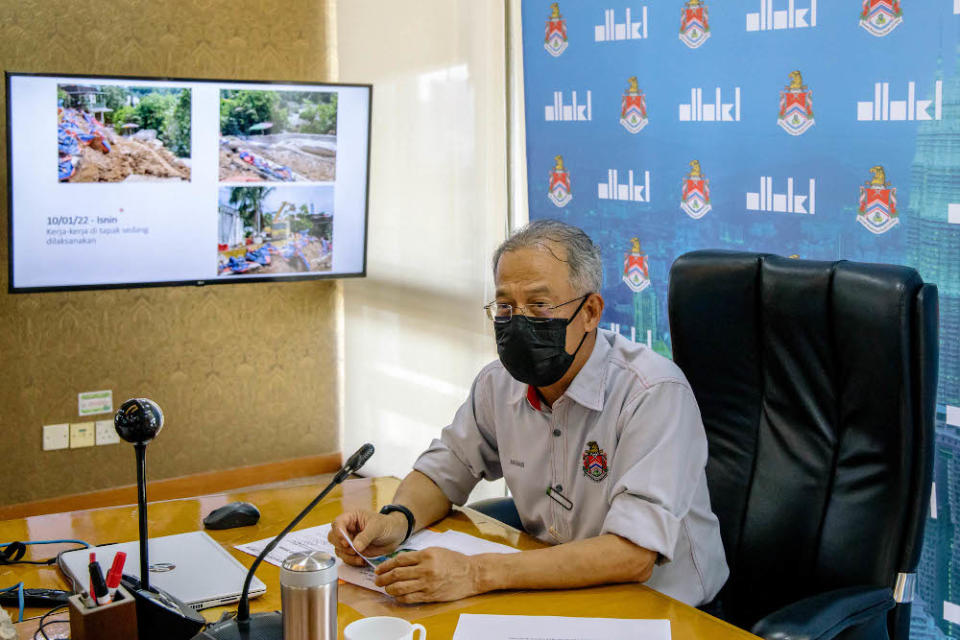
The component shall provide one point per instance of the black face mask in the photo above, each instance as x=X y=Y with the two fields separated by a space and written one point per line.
x=534 y=351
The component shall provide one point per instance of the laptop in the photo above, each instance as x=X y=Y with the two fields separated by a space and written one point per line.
x=190 y=566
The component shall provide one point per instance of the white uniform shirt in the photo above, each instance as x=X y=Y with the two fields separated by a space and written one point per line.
x=623 y=451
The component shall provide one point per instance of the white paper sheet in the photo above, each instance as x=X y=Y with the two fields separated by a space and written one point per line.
x=315 y=539
x=367 y=559
x=487 y=627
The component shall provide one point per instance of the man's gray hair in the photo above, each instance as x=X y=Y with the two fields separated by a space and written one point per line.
x=583 y=256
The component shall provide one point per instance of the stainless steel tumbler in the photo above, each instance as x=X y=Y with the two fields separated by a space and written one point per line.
x=308 y=596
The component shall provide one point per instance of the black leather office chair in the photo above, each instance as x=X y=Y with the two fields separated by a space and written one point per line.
x=817 y=383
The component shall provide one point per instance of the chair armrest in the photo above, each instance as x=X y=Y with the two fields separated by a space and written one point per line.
x=824 y=615
x=502 y=509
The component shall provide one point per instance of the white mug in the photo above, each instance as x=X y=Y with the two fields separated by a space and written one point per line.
x=383 y=628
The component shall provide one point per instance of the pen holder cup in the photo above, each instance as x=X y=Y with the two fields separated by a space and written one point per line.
x=106 y=622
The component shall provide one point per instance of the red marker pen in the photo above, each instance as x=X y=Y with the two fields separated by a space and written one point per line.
x=116 y=573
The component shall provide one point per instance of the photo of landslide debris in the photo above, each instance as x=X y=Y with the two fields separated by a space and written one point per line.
x=278 y=136
x=272 y=230
x=113 y=133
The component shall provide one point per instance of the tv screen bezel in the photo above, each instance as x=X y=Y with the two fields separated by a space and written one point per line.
x=180 y=283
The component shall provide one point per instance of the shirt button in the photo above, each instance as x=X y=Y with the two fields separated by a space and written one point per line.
x=556 y=433
x=559 y=488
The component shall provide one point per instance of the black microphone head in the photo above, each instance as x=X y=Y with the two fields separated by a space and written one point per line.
x=138 y=420
x=363 y=454
x=354 y=462
x=358 y=459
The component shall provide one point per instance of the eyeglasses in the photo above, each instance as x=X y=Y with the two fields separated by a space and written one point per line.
x=535 y=311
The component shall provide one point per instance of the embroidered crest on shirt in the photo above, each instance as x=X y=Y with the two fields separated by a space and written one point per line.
x=594 y=462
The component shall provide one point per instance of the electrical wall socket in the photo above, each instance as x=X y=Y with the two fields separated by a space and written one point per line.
x=106 y=433
x=56 y=436
x=82 y=434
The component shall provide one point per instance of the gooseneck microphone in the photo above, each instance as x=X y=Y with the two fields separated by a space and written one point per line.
x=269 y=626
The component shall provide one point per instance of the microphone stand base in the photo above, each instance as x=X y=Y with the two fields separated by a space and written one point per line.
x=161 y=616
x=263 y=626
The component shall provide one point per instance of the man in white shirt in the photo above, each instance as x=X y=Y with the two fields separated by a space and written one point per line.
x=599 y=439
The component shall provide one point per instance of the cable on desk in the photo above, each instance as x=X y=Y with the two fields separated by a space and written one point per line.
x=46 y=623
x=19 y=589
x=13 y=552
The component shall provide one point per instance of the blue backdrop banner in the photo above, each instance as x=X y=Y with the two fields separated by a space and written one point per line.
x=821 y=130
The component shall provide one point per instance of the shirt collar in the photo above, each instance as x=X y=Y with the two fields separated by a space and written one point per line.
x=587 y=388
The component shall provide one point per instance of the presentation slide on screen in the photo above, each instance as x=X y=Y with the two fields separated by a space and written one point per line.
x=129 y=181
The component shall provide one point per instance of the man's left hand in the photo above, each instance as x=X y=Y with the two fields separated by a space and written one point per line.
x=431 y=575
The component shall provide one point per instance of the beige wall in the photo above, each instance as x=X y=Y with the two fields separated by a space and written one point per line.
x=245 y=374
x=415 y=329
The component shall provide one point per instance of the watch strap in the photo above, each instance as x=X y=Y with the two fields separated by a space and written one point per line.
x=391 y=508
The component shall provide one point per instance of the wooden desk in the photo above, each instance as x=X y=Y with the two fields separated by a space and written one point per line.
x=278 y=506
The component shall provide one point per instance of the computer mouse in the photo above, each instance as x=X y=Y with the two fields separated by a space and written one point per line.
x=235 y=514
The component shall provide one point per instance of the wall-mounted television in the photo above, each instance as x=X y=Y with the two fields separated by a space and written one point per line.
x=130 y=181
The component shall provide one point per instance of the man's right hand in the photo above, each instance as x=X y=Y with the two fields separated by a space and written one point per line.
x=373 y=534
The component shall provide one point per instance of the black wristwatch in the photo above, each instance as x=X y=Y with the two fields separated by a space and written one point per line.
x=390 y=508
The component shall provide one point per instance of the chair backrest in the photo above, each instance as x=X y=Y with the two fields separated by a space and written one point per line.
x=817 y=384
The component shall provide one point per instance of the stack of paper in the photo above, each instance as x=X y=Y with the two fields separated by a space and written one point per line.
x=315 y=539
x=483 y=627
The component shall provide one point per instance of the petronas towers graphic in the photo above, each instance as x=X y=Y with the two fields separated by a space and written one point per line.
x=932 y=225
